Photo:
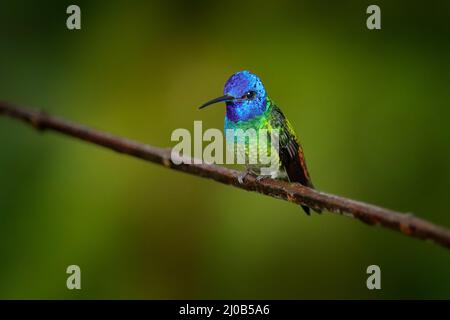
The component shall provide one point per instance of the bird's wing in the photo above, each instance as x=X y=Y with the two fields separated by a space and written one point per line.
x=290 y=150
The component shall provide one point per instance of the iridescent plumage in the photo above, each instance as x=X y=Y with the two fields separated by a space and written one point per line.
x=249 y=107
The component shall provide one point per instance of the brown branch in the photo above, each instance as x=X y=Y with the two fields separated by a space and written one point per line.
x=403 y=222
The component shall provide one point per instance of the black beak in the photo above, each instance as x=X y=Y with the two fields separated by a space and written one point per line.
x=224 y=98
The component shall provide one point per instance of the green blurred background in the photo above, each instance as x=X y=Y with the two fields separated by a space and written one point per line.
x=371 y=108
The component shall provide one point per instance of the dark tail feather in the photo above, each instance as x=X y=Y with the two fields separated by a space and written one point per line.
x=307 y=210
x=297 y=172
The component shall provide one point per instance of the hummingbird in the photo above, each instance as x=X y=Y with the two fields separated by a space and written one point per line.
x=249 y=107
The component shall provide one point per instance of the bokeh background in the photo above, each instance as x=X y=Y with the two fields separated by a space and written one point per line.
x=371 y=108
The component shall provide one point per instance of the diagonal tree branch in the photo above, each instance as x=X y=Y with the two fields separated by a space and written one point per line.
x=296 y=193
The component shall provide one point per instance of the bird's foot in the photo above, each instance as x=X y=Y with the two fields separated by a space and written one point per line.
x=258 y=177
x=242 y=176
x=262 y=177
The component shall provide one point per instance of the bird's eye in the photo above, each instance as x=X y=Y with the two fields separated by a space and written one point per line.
x=249 y=95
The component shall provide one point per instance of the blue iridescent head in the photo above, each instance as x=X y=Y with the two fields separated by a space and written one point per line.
x=244 y=95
